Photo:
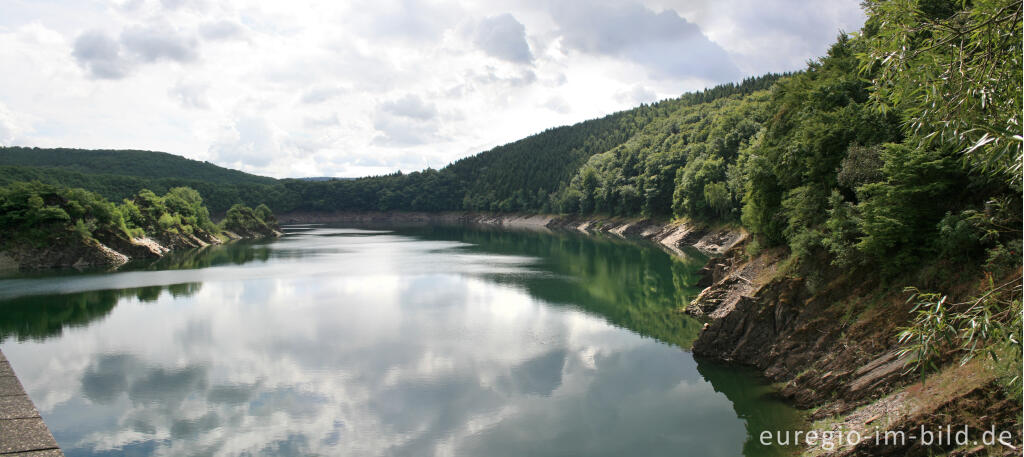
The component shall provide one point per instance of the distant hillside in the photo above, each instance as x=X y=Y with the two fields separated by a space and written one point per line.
x=117 y=175
x=141 y=164
x=321 y=178
x=522 y=175
x=531 y=174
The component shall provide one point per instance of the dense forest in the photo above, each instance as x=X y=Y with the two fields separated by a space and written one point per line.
x=117 y=175
x=34 y=214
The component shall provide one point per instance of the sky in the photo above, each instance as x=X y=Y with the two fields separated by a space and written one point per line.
x=363 y=87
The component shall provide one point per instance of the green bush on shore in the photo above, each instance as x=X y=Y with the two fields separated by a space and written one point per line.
x=246 y=221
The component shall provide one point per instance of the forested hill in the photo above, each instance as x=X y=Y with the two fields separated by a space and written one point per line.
x=531 y=174
x=119 y=174
x=522 y=175
x=141 y=164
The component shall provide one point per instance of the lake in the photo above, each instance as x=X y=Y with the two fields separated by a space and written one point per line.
x=419 y=341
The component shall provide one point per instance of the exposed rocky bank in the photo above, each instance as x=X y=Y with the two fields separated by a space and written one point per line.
x=831 y=346
x=674 y=236
x=111 y=250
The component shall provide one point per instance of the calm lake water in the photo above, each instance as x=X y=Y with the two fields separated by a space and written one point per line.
x=410 y=341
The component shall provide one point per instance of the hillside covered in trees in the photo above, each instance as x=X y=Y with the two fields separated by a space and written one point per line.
x=48 y=226
x=117 y=175
x=522 y=176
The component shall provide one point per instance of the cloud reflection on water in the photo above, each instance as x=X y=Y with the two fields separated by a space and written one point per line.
x=368 y=344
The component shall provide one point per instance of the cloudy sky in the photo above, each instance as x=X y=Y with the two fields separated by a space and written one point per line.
x=351 y=88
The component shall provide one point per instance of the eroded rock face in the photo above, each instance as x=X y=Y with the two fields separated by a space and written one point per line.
x=718 y=242
x=796 y=337
x=674 y=236
x=835 y=349
x=105 y=250
x=773 y=322
x=65 y=252
x=729 y=279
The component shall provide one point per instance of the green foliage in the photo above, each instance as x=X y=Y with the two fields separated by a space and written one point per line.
x=219 y=194
x=1003 y=257
x=718 y=199
x=981 y=325
x=179 y=211
x=245 y=221
x=141 y=164
x=841 y=231
x=862 y=165
x=42 y=214
x=900 y=214
x=689 y=197
x=819 y=116
x=663 y=169
x=265 y=214
x=84 y=230
x=953 y=70
x=166 y=221
x=34 y=212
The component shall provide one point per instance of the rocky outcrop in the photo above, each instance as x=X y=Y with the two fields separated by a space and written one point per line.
x=832 y=349
x=106 y=250
x=253 y=233
x=64 y=252
x=821 y=344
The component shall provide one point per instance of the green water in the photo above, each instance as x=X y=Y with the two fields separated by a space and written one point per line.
x=407 y=341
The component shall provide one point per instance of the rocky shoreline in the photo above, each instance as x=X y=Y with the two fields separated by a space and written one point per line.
x=673 y=236
x=108 y=250
x=833 y=353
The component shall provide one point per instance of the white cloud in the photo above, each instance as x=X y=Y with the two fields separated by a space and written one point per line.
x=11 y=127
x=410 y=106
x=503 y=37
x=221 y=30
x=407 y=121
x=190 y=95
x=322 y=88
x=106 y=58
x=250 y=141
x=637 y=95
x=771 y=35
x=667 y=44
x=159 y=42
x=100 y=55
x=557 y=104
x=322 y=94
